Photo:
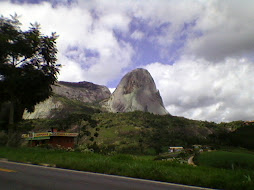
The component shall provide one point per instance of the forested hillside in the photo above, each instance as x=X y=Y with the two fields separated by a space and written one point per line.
x=133 y=132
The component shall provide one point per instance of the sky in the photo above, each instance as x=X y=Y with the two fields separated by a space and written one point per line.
x=199 y=52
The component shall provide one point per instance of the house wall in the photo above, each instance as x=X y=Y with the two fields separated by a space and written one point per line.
x=66 y=142
x=37 y=142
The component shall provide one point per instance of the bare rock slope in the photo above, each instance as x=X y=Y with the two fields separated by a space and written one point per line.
x=44 y=109
x=136 y=91
x=82 y=91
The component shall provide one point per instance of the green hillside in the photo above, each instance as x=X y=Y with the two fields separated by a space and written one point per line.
x=243 y=137
x=141 y=130
x=133 y=132
x=145 y=132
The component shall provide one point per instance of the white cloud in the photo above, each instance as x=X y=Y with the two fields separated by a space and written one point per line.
x=115 y=21
x=227 y=29
x=212 y=29
x=79 y=31
x=137 y=35
x=198 y=89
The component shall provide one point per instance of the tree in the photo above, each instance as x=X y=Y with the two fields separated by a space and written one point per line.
x=27 y=66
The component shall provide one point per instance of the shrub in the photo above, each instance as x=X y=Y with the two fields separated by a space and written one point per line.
x=3 y=138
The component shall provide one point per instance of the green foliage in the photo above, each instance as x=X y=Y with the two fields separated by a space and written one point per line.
x=232 y=126
x=91 y=139
x=243 y=137
x=96 y=134
x=78 y=119
x=135 y=166
x=136 y=132
x=3 y=138
x=27 y=68
x=228 y=160
x=139 y=131
x=165 y=156
x=84 y=148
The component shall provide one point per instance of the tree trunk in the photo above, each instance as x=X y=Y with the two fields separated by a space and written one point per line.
x=11 y=130
x=11 y=116
x=79 y=131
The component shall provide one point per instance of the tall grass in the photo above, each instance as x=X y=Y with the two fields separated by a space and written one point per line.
x=135 y=166
x=227 y=160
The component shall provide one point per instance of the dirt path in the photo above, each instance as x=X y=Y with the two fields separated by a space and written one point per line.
x=190 y=161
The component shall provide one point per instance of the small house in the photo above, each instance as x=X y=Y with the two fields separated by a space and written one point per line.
x=175 y=149
x=197 y=146
x=53 y=138
x=249 y=122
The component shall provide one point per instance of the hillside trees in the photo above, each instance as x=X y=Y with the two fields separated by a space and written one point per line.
x=27 y=67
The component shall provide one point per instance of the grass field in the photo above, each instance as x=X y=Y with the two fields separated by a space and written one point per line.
x=228 y=160
x=135 y=166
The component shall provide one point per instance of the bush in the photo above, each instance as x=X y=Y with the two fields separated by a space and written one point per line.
x=3 y=138
x=128 y=149
x=84 y=148
x=107 y=149
x=166 y=156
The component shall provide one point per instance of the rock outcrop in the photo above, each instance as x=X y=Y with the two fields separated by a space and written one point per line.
x=54 y=107
x=44 y=109
x=136 y=91
x=83 y=91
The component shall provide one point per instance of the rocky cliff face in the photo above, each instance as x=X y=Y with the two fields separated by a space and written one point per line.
x=82 y=91
x=55 y=107
x=44 y=109
x=136 y=91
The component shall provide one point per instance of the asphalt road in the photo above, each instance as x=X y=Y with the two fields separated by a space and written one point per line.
x=18 y=176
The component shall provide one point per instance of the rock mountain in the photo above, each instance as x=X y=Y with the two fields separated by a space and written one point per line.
x=136 y=91
x=83 y=91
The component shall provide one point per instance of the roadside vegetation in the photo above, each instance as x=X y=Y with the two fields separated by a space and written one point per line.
x=236 y=159
x=144 y=167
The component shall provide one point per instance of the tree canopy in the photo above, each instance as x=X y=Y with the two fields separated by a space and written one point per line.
x=28 y=65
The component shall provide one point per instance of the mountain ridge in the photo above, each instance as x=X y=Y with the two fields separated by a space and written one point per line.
x=83 y=91
x=135 y=92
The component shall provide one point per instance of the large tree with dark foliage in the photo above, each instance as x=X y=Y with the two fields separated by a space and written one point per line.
x=27 y=66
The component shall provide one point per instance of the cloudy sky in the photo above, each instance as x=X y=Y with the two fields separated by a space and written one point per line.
x=199 y=52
